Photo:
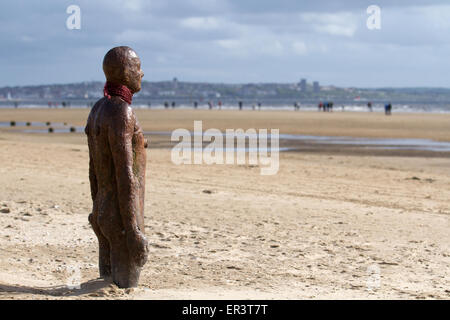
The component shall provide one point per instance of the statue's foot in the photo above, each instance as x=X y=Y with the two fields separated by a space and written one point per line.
x=124 y=283
x=127 y=278
x=105 y=272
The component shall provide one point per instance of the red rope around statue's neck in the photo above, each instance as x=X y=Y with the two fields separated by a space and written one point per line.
x=112 y=89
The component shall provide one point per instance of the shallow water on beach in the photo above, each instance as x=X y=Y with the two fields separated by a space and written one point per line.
x=378 y=143
x=375 y=143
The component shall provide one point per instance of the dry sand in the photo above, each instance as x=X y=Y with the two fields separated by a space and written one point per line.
x=321 y=228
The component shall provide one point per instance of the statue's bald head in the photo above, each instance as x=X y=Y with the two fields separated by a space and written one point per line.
x=122 y=65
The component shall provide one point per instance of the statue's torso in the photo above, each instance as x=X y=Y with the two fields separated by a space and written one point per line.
x=100 y=122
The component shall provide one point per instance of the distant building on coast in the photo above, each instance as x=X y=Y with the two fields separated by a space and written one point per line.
x=175 y=83
x=316 y=87
x=302 y=85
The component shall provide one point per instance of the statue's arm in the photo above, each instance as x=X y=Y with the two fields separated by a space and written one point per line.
x=92 y=176
x=120 y=135
x=92 y=179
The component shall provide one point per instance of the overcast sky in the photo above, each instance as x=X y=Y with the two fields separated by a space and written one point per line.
x=232 y=41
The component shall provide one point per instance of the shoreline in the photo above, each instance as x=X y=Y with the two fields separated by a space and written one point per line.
x=353 y=124
x=247 y=108
x=351 y=133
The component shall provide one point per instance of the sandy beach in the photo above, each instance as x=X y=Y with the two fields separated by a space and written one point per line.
x=333 y=223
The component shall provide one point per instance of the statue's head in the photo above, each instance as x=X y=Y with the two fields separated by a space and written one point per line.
x=121 y=65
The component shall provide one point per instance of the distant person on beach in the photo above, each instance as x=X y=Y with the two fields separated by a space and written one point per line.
x=369 y=105
x=320 y=106
x=173 y=104
x=195 y=104
x=296 y=107
x=210 y=105
x=388 y=109
x=219 y=104
x=240 y=105
x=166 y=105
x=259 y=105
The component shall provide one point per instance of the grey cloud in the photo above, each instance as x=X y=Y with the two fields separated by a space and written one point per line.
x=231 y=41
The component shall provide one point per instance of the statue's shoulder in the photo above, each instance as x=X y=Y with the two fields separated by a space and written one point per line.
x=117 y=105
x=91 y=116
x=119 y=110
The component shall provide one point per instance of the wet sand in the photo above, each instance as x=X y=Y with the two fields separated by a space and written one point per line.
x=337 y=224
x=352 y=124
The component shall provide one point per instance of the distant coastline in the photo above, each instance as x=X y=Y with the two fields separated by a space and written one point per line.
x=267 y=93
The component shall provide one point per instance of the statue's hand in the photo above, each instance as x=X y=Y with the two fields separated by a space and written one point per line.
x=138 y=247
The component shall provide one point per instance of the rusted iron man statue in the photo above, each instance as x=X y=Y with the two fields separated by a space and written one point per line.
x=117 y=171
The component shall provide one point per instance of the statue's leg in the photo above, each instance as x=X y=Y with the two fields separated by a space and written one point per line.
x=104 y=261
x=125 y=273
